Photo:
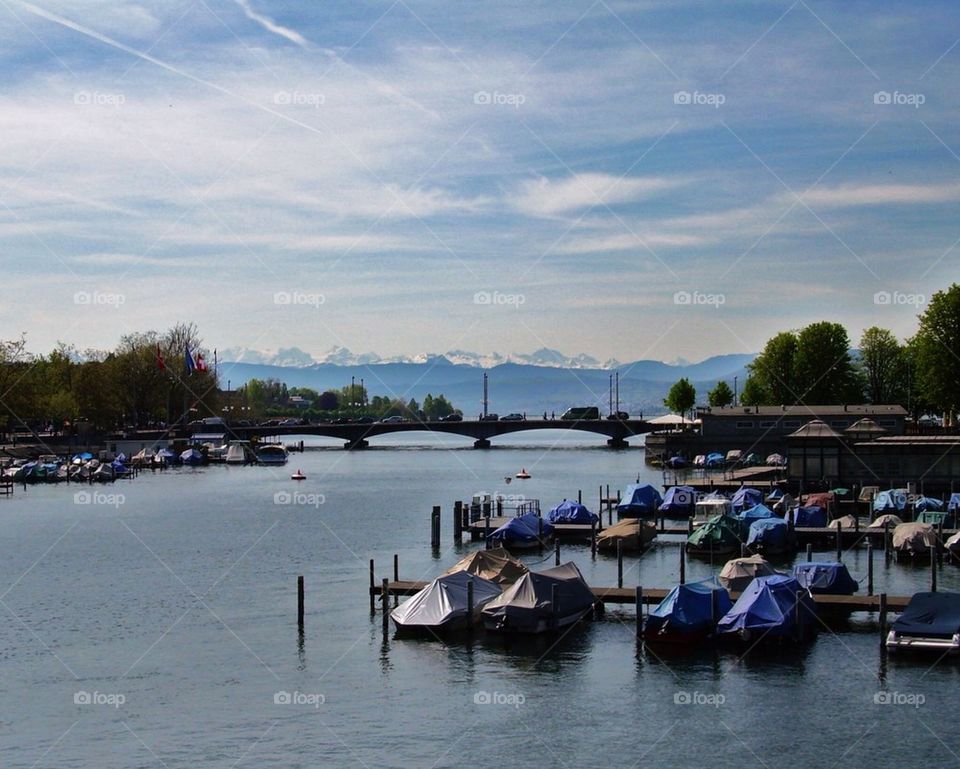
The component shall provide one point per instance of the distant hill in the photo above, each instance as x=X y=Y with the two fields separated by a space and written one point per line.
x=518 y=387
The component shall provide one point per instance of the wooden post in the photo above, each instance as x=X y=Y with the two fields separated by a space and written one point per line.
x=385 y=603
x=883 y=617
x=593 y=539
x=579 y=496
x=869 y=567
x=933 y=569
x=435 y=528
x=886 y=539
x=743 y=550
x=856 y=524
x=540 y=533
x=600 y=500
x=373 y=600
x=556 y=551
x=300 y=602
x=689 y=526
x=470 y=603
x=639 y=600
x=809 y=552
x=486 y=530
x=499 y=506
x=619 y=563
x=839 y=542
x=683 y=567
x=396 y=572
x=458 y=522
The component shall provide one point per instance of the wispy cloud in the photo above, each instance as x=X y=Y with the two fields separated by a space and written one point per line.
x=270 y=25
x=547 y=197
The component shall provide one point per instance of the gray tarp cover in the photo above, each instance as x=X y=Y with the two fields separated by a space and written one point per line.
x=915 y=537
x=737 y=573
x=627 y=530
x=528 y=601
x=444 y=600
x=496 y=564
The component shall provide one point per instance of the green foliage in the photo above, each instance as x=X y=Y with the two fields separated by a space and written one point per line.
x=824 y=369
x=774 y=372
x=681 y=397
x=883 y=366
x=936 y=352
x=721 y=395
x=753 y=393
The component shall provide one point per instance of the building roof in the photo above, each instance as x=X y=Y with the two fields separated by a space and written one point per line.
x=866 y=426
x=863 y=409
x=815 y=429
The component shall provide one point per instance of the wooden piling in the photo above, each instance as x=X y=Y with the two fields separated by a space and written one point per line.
x=385 y=603
x=579 y=496
x=683 y=566
x=619 y=563
x=639 y=599
x=373 y=600
x=839 y=542
x=470 y=603
x=809 y=552
x=593 y=539
x=458 y=522
x=869 y=567
x=689 y=526
x=883 y=617
x=435 y=528
x=933 y=569
x=396 y=575
x=556 y=551
x=886 y=540
x=300 y=602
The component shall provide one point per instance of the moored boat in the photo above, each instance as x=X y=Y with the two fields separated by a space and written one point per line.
x=541 y=602
x=272 y=454
x=634 y=534
x=930 y=623
x=688 y=614
x=772 y=609
x=522 y=533
x=445 y=605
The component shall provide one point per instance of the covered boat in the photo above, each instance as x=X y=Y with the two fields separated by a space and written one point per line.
x=528 y=605
x=825 y=578
x=809 y=517
x=846 y=522
x=770 y=536
x=191 y=457
x=755 y=513
x=714 y=459
x=569 y=511
x=688 y=613
x=718 y=536
x=676 y=462
x=914 y=538
x=444 y=605
x=523 y=532
x=887 y=519
x=927 y=504
x=745 y=497
x=825 y=499
x=679 y=502
x=784 y=503
x=239 y=453
x=634 y=533
x=931 y=622
x=953 y=505
x=699 y=460
x=711 y=505
x=774 y=608
x=776 y=460
x=952 y=545
x=737 y=573
x=640 y=500
x=272 y=454
x=892 y=500
x=495 y=565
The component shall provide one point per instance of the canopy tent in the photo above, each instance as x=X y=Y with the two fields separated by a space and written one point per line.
x=737 y=573
x=569 y=511
x=771 y=607
x=527 y=606
x=825 y=578
x=892 y=500
x=444 y=604
x=634 y=533
x=496 y=565
x=769 y=535
x=888 y=519
x=679 y=500
x=810 y=517
x=527 y=530
x=640 y=499
x=914 y=538
x=720 y=534
x=745 y=497
x=689 y=609
x=930 y=615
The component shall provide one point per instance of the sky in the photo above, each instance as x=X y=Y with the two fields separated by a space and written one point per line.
x=630 y=180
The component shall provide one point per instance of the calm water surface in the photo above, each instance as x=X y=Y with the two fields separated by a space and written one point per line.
x=175 y=610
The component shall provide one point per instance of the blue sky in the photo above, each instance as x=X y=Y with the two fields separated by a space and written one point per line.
x=355 y=173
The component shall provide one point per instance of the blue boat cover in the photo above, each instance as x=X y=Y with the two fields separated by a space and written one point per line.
x=524 y=529
x=769 y=605
x=745 y=497
x=930 y=615
x=894 y=499
x=679 y=499
x=923 y=504
x=714 y=458
x=191 y=457
x=954 y=503
x=775 y=495
x=689 y=608
x=769 y=532
x=640 y=498
x=569 y=511
x=822 y=578
x=812 y=516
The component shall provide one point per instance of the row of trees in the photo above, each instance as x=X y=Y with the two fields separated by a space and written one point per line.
x=815 y=365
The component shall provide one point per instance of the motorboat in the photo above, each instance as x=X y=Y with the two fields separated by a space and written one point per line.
x=541 y=602
x=720 y=535
x=641 y=500
x=272 y=454
x=298 y=476
x=772 y=608
x=678 y=502
x=239 y=453
x=524 y=532
x=634 y=534
x=569 y=511
x=496 y=565
x=688 y=614
x=523 y=474
x=737 y=573
x=449 y=603
x=825 y=578
x=930 y=623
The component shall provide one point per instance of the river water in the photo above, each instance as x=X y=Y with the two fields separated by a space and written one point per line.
x=154 y=625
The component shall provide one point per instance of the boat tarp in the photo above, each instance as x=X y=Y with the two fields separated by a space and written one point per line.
x=635 y=533
x=892 y=499
x=915 y=537
x=737 y=573
x=714 y=458
x=824 y=499
x=569 y=511
x=769 y=605
x=745 y=497
x=679 y=499
x=889 y=519
x=524 y=604
x=954 y=504
x=496 y=565
x=444 y=600
x=924 y=504
x=690 y=608
x=952 y=545
x=526 y=528
x=640 y=498
x=720 y=531
x=847 y=522
x=191 y=456
x=931 y=615
x=812 y=516
x=825 y=578
x=769 y=533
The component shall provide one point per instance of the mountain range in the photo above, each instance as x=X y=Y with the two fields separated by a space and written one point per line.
x=553 y=383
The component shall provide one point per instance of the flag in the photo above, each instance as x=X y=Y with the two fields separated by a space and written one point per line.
x=201 y=363
x=160 y=364
x=188 y=360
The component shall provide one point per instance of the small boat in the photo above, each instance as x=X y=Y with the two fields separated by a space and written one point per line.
x=770 y=536
x=710 y=506
x=914 y=539
x=641 y=500
x=678 y=502
x=523 y=474
x=737 y=573
x=829 y=578
x=846 y=522
x=688 y=614
x=887 y=519
x=952 y=545
x=634 y=533
x=676 y=462
x=496 y=565
x=191 y=457
x=930 y=623
x=528 y=606
x=890 y=501
x=444 y=605
x=298 y=476
x=774 y=608
x=569 y=511
x=238 y=453
x=714 y=459
x=744 y=498
x=272 y=454
x=756 y=513
x=718 y=536
x=522 y=533
x=807 y=517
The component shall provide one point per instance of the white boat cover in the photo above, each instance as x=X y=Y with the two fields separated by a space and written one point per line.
x=786 y=502
x=737 y=573
x=886 y=518
x=633 y=532
x=914 y=537
x=526 y=607
x=953 y=544
x=444 y=601
x=496 y=565
x=848 y=522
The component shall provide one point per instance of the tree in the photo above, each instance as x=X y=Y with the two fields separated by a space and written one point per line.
x=883 y=365
x=753 y=393
x=681 y=397
x=721 y=395
x=774 y=371
x=824 y=370
x=937 y=358
x=328 y=401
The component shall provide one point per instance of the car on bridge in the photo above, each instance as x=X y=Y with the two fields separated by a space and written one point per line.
x=621 y=415
x=452 y=418
x=512 y=418
x=490 y=418
x=580 y=413
x=394 y=420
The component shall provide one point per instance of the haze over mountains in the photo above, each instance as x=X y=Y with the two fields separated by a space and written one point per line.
x=545 y=380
